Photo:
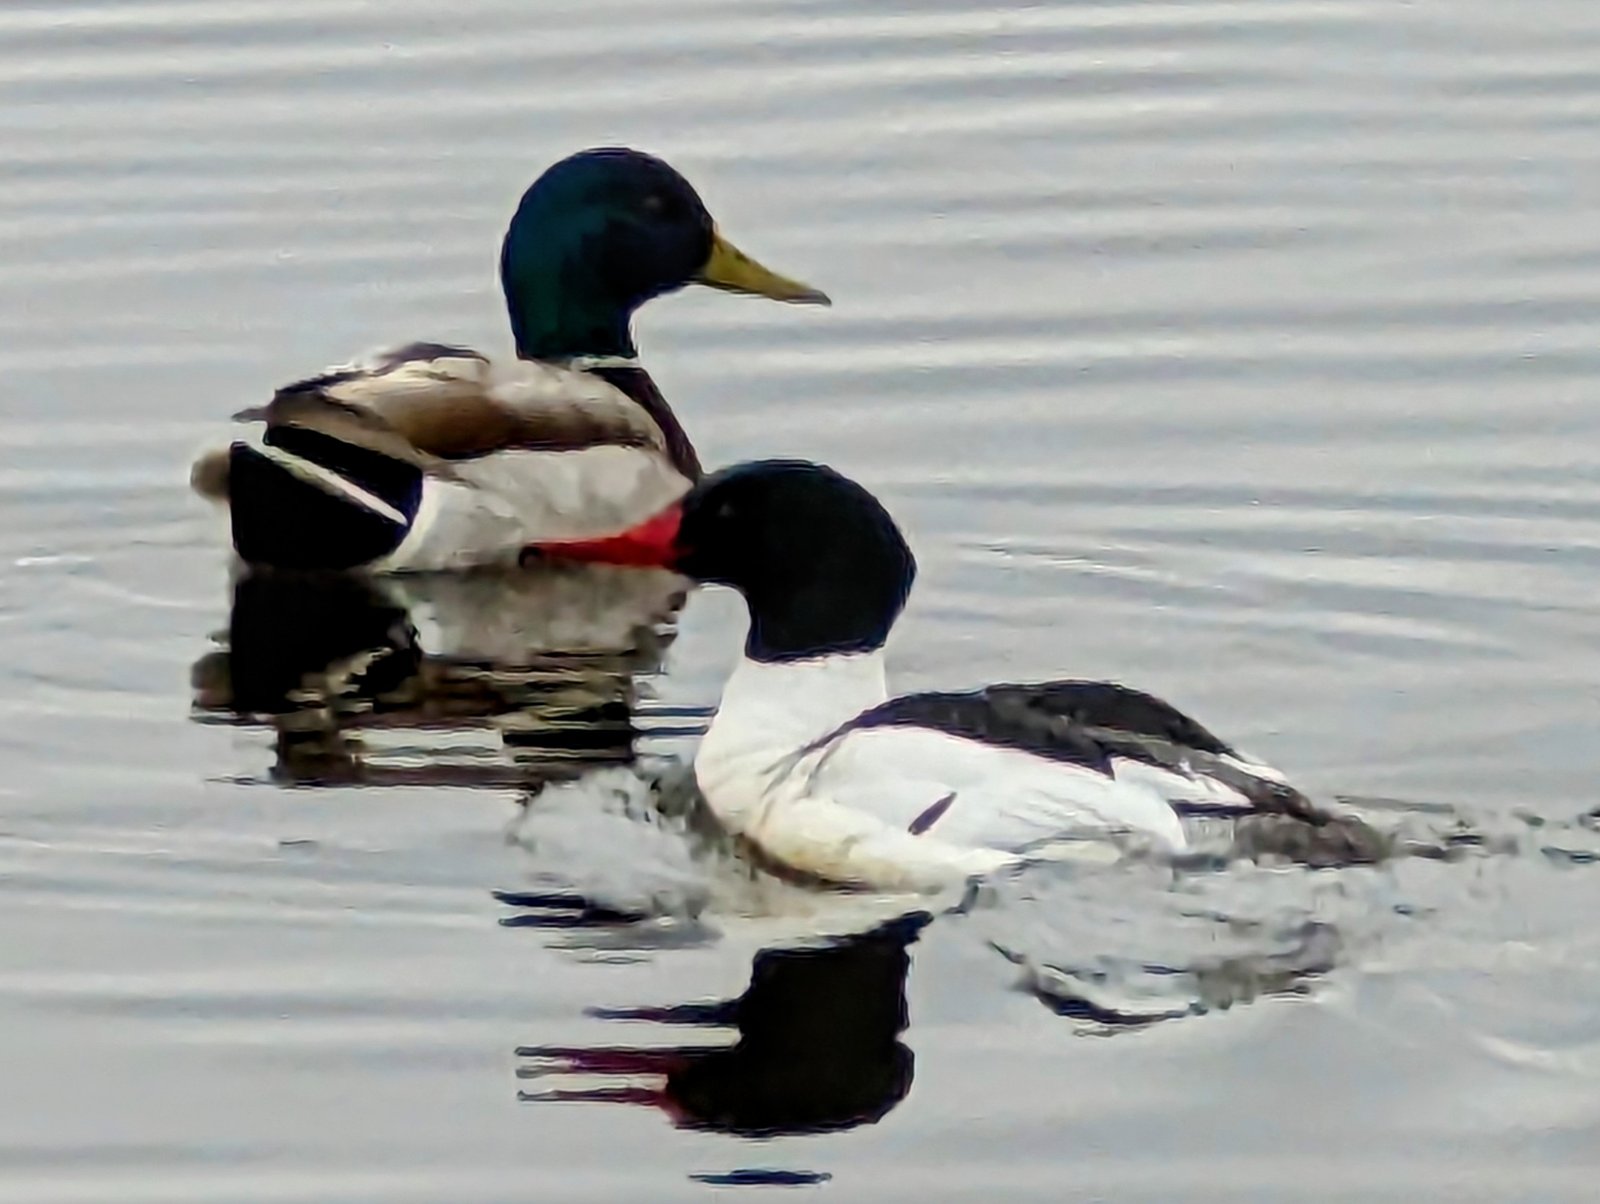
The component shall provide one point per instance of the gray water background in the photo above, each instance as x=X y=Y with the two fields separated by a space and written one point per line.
x=1241 y=351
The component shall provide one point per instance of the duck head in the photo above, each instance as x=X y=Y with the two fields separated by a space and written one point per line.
x=821 y=564
x=598 y=235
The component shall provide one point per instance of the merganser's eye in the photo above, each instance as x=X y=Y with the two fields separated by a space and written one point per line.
x=655 y=204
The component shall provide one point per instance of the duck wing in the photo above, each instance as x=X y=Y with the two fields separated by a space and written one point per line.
x=1141 y=728
x=1107 y=729
x=435 y=402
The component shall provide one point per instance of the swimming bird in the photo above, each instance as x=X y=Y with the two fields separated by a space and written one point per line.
x=812 y=761
x=428 y=456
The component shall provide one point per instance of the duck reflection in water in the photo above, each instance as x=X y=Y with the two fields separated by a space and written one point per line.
x=545 y=658
x=818 y=1046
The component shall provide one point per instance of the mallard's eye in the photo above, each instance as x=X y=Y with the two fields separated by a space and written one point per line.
x=664 y=206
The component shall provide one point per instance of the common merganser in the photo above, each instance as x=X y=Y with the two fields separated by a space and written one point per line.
x=429 y=457
x=810 y=759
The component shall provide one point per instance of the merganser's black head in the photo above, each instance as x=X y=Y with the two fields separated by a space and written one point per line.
x=598 y=235
x=820 y=562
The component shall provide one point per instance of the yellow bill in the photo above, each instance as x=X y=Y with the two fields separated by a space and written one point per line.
x=731 y=269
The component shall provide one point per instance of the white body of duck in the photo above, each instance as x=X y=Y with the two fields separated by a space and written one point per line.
x=795 y=762
x=812 y=761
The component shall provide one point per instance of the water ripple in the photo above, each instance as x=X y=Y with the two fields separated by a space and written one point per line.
x=1242 y=350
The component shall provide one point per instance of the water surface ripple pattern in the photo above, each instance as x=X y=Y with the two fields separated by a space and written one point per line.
x=1243 y=350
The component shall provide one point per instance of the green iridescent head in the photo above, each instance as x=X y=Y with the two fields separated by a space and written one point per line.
x=601 y=233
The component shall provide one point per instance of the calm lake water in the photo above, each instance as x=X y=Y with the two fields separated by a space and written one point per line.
x=1242 y=351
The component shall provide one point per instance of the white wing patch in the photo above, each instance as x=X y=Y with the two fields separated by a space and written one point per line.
x=1175 y=786
x=1004 y=798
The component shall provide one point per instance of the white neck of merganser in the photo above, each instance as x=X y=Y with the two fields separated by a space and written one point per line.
x=771 y=710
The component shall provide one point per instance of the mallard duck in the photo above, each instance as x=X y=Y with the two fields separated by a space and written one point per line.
x=430 y=457
x=813 y=761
